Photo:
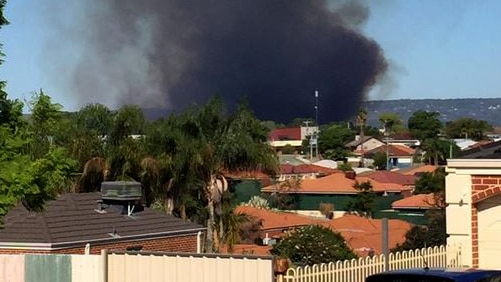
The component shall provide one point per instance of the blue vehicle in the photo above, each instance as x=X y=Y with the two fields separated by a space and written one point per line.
x=437 y=275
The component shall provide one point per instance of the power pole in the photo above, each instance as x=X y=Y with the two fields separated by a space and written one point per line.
x=316 y=121
x=308 y=128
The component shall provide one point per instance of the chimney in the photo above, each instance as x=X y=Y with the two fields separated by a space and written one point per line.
x=350 y=174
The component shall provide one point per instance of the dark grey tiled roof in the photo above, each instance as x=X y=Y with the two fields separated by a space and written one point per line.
x=488 y=151
x=73 y=218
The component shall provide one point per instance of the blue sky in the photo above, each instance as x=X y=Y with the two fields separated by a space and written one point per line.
x=437 y=48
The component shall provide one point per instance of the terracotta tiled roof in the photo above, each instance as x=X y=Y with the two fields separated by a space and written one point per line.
x=362 y=234
x=338 y=183
x=285 y=134
x=304 y=168
x=385 y=176
x=247 y=175
x=248 y=249
x=420 y=169
x=276 y=219
x=419 y=201
x=398 y=150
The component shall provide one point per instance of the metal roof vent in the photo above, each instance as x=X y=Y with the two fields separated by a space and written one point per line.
x=121 y=190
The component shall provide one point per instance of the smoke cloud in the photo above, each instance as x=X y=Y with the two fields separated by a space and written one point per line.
x=174 y=53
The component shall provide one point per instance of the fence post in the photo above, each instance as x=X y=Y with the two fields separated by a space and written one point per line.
x=104 y=265
x=386 y=251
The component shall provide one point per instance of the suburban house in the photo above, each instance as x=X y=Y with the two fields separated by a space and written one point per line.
x=385 y=176
x=292 y=136
x=76 y=223
x=274 y=224
x=336 y=189
x=303 y=171
x=399 y=156
x=246 y=184
x=363 y=235
x=473 y=206
x=412 y=209
x=417 y=171
x=366 y=144
x=483 y=151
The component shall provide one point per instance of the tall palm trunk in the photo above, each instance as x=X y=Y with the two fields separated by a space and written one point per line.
x=210 y=227
x=209 y=242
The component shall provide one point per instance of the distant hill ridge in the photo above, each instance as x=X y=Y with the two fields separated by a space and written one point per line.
x=488 y=109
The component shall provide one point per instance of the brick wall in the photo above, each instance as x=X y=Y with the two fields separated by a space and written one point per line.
x=186 y=243
x=483 y=186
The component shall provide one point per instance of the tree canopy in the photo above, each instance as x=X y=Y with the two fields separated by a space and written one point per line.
x=467 y=128
x=363 y=204
x=424 y=125
x=313 y=244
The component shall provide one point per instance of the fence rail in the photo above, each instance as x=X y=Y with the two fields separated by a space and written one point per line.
x=357 y=270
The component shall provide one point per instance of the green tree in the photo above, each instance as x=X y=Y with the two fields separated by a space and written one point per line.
x=124 y=151
x=361 y=123
x=332 y=140
x=467 y=128
x=437 y=150
x=424 y=125
x=363 y=204
x=380 y=160
x=44 y=120
x=313 y=244
x=434 y=232
x=201 y=146
x=424 y=236
x=431 y=182
x=391 y=122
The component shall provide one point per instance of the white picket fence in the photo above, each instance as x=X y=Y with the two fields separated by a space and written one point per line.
x=357 y=270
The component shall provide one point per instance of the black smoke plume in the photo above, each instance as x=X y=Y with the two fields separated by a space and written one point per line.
x=275 y=53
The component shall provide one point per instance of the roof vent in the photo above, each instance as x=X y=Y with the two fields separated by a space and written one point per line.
x=121 y=190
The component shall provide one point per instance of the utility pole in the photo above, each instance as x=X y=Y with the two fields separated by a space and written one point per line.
x=316 y=121
x=308 y=128
x=387 y=137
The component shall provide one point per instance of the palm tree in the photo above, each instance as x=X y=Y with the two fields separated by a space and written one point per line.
x=224 y=145
x=361 y=122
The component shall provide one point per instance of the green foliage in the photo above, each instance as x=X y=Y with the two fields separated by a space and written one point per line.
x=424 y=236
x=96 y=119
x=438 y=150
x=467 y=128
x=424 y=125
x=363 y=204
x=313 y=244
x=391 y=122
x=344 y=167
x=45 y=117
x=332 y=140
x=11 y=111
x=431 y=182
x=380 y=160
x=297 y=122
x=288 y=149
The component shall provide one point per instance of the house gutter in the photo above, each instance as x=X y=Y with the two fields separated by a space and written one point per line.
x=62 y=245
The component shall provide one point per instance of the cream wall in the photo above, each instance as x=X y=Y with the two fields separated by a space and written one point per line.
x=458 y=195
x=458 y=213
x=370 y=144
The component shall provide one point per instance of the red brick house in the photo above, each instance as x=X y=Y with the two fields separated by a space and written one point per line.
x=75 y=222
